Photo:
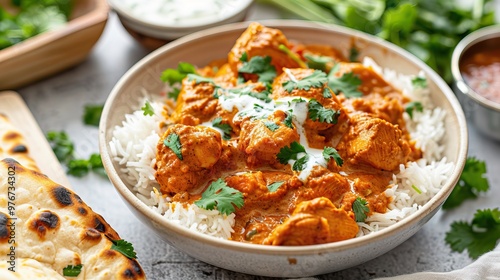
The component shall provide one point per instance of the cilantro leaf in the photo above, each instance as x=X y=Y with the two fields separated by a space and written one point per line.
x=147 y=109
x=419 y=82
x=300 y=164
x=271 y=125
x=318 y=61
x=72 y=270
x=200 y=79
x=173 y=76
x=226 y=128
x=412 y=106
x=220 y=195
x=472 y=181
x=275 y=186
x=124 y=247
x=61 y=145
x=329 y=153
x=290 y=153
x=348 y=83
x=244 y=57
x=263 y=95
x=288 y=121
x=173 y=142
x=353 y=54
x=316 y=80
x=260 y=66
x=92 y=114
x=81 y=167
x=477 y=237
x=360 y=209
x=327 y=92
x=318 y=112
x=174 y=93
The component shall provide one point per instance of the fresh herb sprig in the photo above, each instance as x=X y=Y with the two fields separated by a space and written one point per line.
x=92 y=114
x=219 y=195
x=124 y=247
x=293 y=152
x=319 y=113
x=173 y=142
x=226 y=128
x=347 y=83
x=72 y=270
x=360 y=209
x=316 y=80
x=261 y=66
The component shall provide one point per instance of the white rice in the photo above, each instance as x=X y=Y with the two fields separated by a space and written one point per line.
x=133 y=146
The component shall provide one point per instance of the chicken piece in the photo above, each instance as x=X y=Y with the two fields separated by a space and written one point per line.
x=200 y=149
x=315 y=221
x=374 y=142
x=389 y=107
x=258 y=40
x=324 y=183
x=260 y=143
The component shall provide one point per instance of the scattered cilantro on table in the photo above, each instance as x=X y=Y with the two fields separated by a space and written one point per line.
x=92 y=114
x=220 y=195
x=72 y=270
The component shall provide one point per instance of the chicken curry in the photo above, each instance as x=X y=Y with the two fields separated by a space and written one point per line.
x=304 y=141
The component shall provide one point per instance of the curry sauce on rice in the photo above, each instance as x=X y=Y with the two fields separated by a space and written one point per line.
x=284 y=143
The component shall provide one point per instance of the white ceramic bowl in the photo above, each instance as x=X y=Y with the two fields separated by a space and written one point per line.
x=299 y=261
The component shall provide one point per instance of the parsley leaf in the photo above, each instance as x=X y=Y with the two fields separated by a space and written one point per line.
x=477 y=237
x=360 y=209
x=124 y=247
x=275 y=186
x=147 y=109
x=472 y=181
x=92 y=114
x=172 y=76
x=271 y=125
x=72 y=270
x=324 y=115
x=329 y=153
x=260 y=66
x=348 y=83
x=221 y=195
x=290 y=153
x=410 y=107
x=173 y=142
x=316 y=80
x=226 y=128
x=419 y=82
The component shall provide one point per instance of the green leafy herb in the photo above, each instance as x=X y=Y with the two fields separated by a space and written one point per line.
x=174 y=93
x=327 y=92
x=147 y=109
x=348 y=83
x=92 y=114
x=275 y=186
x=271 y=125
x=419 y=82
x=360 y=209
x=226 y=128
x=220 y=195
x=353 y=54
x=173 y=76
x=288 y=121
x=329 y=153
x=477 y=237
x=200 y=79
x=412 y=106
x=472 y=182
x=318 y=112
x=61 y=145
x=260 y=66
x=244 y=57
x=318 y=61
x=173 y=142
x=248 y=90
x=316 y=80
x=124 y=247
x=72 y=270
x=290 y=153
x=81 y=167
x=300 y=164
x=292 y=55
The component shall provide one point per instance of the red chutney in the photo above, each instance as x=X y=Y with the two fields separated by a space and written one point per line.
x=481 y=71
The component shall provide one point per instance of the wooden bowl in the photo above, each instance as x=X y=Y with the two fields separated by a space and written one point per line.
x=51 y=52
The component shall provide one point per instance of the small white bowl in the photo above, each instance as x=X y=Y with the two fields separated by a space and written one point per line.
x=140 y=26
x=278 y=261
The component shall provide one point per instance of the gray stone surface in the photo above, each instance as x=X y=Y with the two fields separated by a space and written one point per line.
x=57 y=103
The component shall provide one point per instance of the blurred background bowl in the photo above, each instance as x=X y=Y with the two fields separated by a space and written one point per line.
x=278 y=261
x=156 y=27
x=54 y=51
x=484 y=113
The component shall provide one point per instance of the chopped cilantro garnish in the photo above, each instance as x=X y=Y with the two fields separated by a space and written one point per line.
x=173 y=142
x=173 y=76
x=318 y=61
x=248 y=90
x=353 y=54
x=124 y=247
x=260 y=66
x=221 y=195
x=244 y=57
x=472 y=181
x=288 y=120
x=316 y=80
x=329 y=153
x=200 y=79
x=290 y=153
x=72 y=270
x=81 y=167
x=147 y=109
x=92 y=114
x=271 y=125
x=477 y=237
x=348 y=83
x=174 y=93
x=412 y=106
x=318 y=112
x=360 y=209
x=327 y=92
x=275 y=186
x=419 y=82
x=416 y=189
x=61 y=145
x=300 y=164
x=226 y=128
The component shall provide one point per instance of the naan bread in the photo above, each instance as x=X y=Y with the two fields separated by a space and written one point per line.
x=13 y=144
x=54 y=229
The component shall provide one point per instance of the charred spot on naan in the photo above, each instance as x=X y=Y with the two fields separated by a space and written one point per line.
x=4 y=228
x=42 y=222
x=134 y=272
x=19 y=149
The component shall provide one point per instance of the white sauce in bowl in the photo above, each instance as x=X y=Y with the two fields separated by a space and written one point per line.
x=181 y=13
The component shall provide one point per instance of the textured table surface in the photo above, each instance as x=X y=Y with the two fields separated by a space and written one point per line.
x=58 y=102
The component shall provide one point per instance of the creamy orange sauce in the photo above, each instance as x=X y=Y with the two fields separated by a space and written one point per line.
x=481 y=70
